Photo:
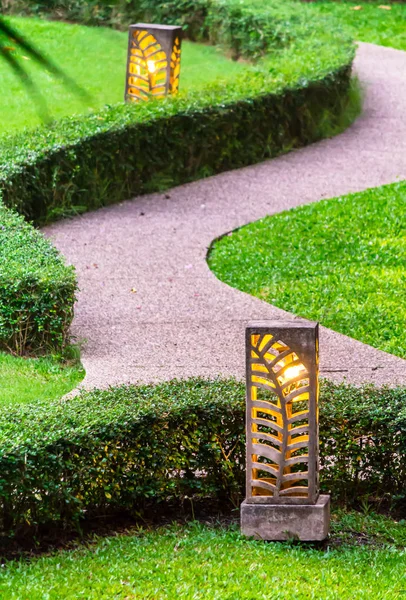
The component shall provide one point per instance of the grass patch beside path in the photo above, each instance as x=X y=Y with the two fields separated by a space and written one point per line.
x=375 y=22
x=24 y=380
x=96 y=58
x=200 y=562
x=339 y=261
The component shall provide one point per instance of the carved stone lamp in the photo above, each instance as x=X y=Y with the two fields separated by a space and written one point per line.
x=153 y=62
x=282 y=489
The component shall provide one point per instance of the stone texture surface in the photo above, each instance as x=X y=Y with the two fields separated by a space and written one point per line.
x=279 y=522
x=149 y=307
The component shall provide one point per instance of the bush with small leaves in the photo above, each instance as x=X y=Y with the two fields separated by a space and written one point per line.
x=37 y=289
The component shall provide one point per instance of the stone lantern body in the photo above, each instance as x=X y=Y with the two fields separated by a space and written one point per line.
x=153 y=61
x=282 y=441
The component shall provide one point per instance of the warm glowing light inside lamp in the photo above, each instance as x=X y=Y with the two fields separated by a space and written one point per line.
x=151 y=66
x=294 y=371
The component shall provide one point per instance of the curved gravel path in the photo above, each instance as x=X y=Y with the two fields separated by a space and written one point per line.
x=150 y=308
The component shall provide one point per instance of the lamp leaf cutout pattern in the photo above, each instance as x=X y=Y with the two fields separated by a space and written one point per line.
x=278 y=423
x=175 y=67
x=147 y=68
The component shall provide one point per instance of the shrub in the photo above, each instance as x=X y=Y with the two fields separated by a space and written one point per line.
x=295 y=96
x=363 y=442
x=78 y=166
x=37 y=289
x=115 y=449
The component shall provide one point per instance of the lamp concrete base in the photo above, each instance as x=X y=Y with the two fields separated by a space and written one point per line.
x=278 y=522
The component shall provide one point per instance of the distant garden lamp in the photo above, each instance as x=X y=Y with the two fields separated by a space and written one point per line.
x=282 y=485
x=153 y=62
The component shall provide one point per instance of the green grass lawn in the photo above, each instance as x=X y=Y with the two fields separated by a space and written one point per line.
x=213 y=563
x=339 y=261
x=375 y=22
x=25 y=380
x=96 y=58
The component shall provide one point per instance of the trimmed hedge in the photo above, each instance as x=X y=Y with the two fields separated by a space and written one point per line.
x=295 y=96
x=363 y=442
x=37 y=289
x=165 y=146
x=116 y=449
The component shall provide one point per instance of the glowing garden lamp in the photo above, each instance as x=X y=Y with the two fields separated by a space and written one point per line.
x=282 y=486
x=153 y=62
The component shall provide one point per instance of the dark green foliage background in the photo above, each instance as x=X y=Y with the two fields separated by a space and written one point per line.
x=190 y=13
x=37 y=289
x=120 y=448
x=119 y=13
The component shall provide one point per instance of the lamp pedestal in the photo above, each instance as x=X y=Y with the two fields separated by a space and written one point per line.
x=279 y=522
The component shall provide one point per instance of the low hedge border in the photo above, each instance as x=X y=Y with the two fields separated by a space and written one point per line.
x=168 y=145
x=37 y=289
x=116 y=449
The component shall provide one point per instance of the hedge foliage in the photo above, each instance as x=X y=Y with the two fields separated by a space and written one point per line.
x=295 y=95
x=37 y=289
x=115 y=449
x=107 y=450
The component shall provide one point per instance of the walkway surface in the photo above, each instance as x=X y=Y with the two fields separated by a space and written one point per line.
x=149 y=307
